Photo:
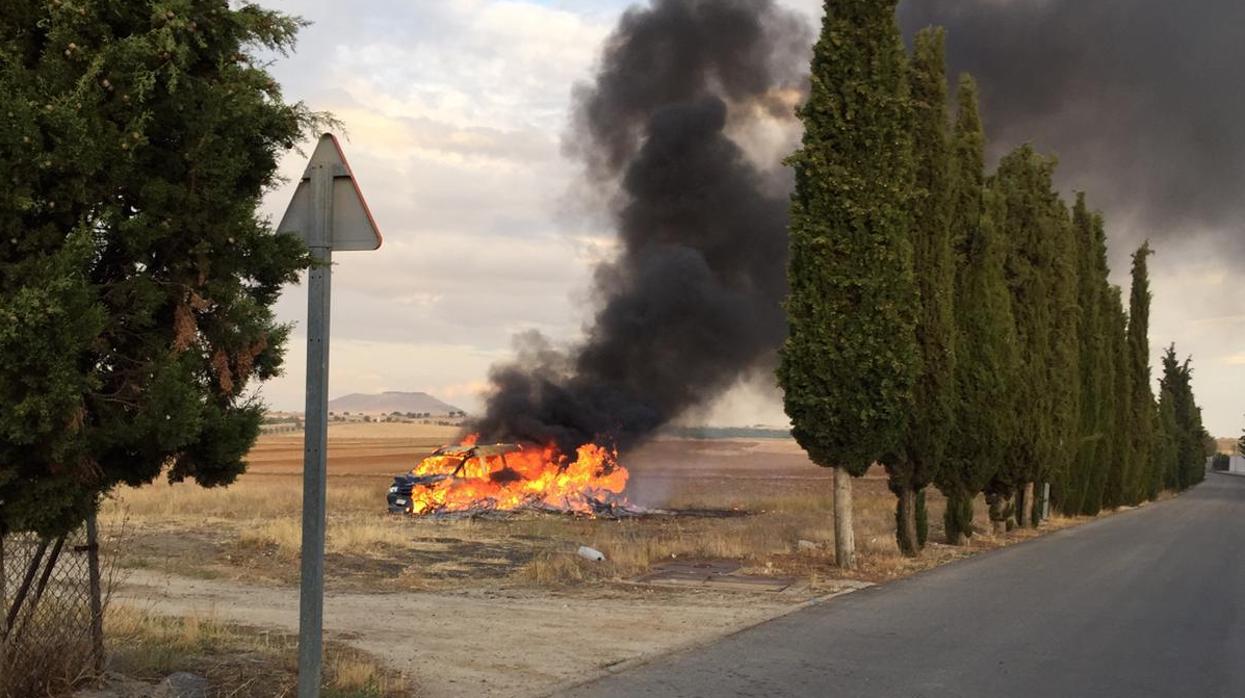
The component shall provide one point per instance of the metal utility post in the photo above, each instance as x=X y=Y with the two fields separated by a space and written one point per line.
x=328 y=212
x=316 y=433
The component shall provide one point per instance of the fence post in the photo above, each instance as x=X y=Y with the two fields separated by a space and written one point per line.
x=24 y=588
x=97 y=602
x=4 y=593
x=32 y=605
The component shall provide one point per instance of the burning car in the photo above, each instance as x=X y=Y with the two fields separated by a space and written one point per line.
x=471 y=477
x=465 y=462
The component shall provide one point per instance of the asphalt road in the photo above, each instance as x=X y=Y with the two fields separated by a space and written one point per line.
x=1149 y=602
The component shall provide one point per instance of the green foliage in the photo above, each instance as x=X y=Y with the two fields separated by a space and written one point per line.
x=1167 y=433
x=1180 y=424
x=1063 y=364
x=920 y=519
x=1142 y=476
x=963 y=328
x=1240 y=445
x=928 y=426
x=957 y=520
x=1080 y=492
x=1035 y=224
x=986 y=352
x=136 y=278
x=850 y=359
x=1122 y=445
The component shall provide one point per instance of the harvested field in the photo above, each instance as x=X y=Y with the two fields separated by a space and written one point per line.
x=516 y=571
x=251 y=530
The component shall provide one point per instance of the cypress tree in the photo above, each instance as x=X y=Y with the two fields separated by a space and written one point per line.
x=1075 y=496
x=1064 y=366
x=1033 y=219
x=1240 y=445
x=1166 y=455
x=912 y=466
x=1123 y=446
x=1174 y=390
x=1112 y=332
x=849 y=361
x=1190 y=466
x=1141 y=479
x=985 y=344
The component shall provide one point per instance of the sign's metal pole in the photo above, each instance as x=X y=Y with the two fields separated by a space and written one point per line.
x=311 y=592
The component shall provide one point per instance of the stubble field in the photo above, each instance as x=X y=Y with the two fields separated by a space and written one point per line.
x=470 y=584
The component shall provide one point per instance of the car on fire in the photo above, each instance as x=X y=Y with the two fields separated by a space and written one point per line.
x=459 y=462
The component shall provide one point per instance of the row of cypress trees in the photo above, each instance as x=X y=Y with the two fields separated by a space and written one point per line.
x=959 y=327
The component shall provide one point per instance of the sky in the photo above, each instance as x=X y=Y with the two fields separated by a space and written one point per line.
x=454 y=111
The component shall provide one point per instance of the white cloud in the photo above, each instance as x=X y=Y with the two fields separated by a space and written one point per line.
x=454 y=112
x=1197 y=299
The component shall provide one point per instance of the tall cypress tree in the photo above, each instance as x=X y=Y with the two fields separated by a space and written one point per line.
x=985 y=344
x=1076 y=494
x=1189 y=433
x=1064 y=364
x=1166 y=456
x=1114 y=491
x=1141 y=479
x=1033 y=219
x=912 y=466
x=849 y=361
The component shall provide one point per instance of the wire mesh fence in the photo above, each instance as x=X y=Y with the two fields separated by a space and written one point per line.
x=50 y=611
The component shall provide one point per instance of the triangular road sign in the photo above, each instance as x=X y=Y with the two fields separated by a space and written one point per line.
x=353 y=226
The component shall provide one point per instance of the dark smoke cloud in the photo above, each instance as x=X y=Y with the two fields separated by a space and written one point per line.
x=693 y=300
x=1141 y=99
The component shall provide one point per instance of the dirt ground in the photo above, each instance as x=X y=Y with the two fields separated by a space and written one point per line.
x=507 y=642
x=503 y=606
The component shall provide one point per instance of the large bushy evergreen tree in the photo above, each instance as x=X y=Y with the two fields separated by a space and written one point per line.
x=849 y=362
x=136 y=275
x=928 y=427
x=985 y=343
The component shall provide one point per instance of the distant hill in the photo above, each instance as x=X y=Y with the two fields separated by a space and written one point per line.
x=387 y=402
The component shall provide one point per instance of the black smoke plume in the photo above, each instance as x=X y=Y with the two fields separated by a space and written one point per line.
x=693 y=299
x=1141 y=100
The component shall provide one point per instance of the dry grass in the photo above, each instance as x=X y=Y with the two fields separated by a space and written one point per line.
x=346 y=534
x=237 y=661
x=43 y=663
x=255 y=497
x=256 y=525
x=253 y=529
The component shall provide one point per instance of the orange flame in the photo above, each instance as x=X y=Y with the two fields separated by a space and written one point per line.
x=514 y=477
